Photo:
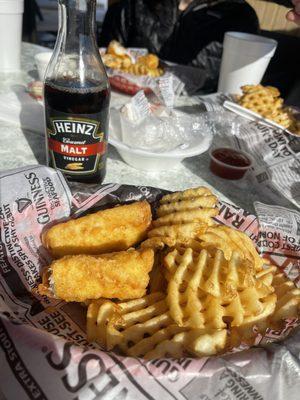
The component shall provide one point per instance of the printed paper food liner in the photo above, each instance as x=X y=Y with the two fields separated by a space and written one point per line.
x=44 y=353
x=276 y=154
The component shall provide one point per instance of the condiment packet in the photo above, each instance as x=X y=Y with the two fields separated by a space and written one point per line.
x=159 y=127
x=137 y=109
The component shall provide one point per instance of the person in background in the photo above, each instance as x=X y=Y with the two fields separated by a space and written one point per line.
x=294 y=15
x=188 y=32
x=31 y=10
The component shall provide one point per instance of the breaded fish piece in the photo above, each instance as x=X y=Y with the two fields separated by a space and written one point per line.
x=109 y=230
x=122 y=275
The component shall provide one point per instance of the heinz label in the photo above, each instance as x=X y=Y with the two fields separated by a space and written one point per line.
x=76 y=145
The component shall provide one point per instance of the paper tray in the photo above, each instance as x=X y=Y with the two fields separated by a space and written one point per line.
x=44 y=353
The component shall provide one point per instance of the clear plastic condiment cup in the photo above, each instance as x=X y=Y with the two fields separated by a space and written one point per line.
x=226 y=169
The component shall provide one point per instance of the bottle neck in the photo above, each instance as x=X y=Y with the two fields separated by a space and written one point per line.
x=77 y=23
x=76 y=57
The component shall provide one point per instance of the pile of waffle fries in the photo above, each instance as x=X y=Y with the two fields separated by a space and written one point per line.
x=266 y=101
x=117 y=57
x=209 y=289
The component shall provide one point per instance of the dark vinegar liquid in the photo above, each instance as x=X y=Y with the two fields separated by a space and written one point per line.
x=66 y=99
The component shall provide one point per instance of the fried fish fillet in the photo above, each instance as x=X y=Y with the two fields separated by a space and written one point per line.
x=109 y=230
x=121 y=275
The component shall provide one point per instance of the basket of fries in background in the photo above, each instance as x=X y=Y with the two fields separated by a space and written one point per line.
x=130 y=70
x=267 y=103
x=168 y=281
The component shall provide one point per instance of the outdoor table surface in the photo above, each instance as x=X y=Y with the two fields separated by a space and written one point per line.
x=19 y=147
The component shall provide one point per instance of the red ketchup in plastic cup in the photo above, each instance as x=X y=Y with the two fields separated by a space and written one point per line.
x=229 y=163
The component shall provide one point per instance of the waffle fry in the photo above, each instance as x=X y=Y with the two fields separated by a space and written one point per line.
x=182 y=217
x=266 y=275
x=204 y=343
x=209 y=201
x=126 y=62
x=266 y=101
x=188 y=194
x=203 y=215
x=150 y=60
x=273 y=91
x=195 y=342
x=141 y=69
x=155 y=73
x=97 y=316
x=229 y=240
x=187 y=230
x=288 y=304
x=261 y=102
x=144 y=328
x=158 y=243
x=280 y=117
x=137 y=69
x=206 y=291
x=136 y=326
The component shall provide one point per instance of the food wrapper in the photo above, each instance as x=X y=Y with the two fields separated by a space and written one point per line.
x=44 y=353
